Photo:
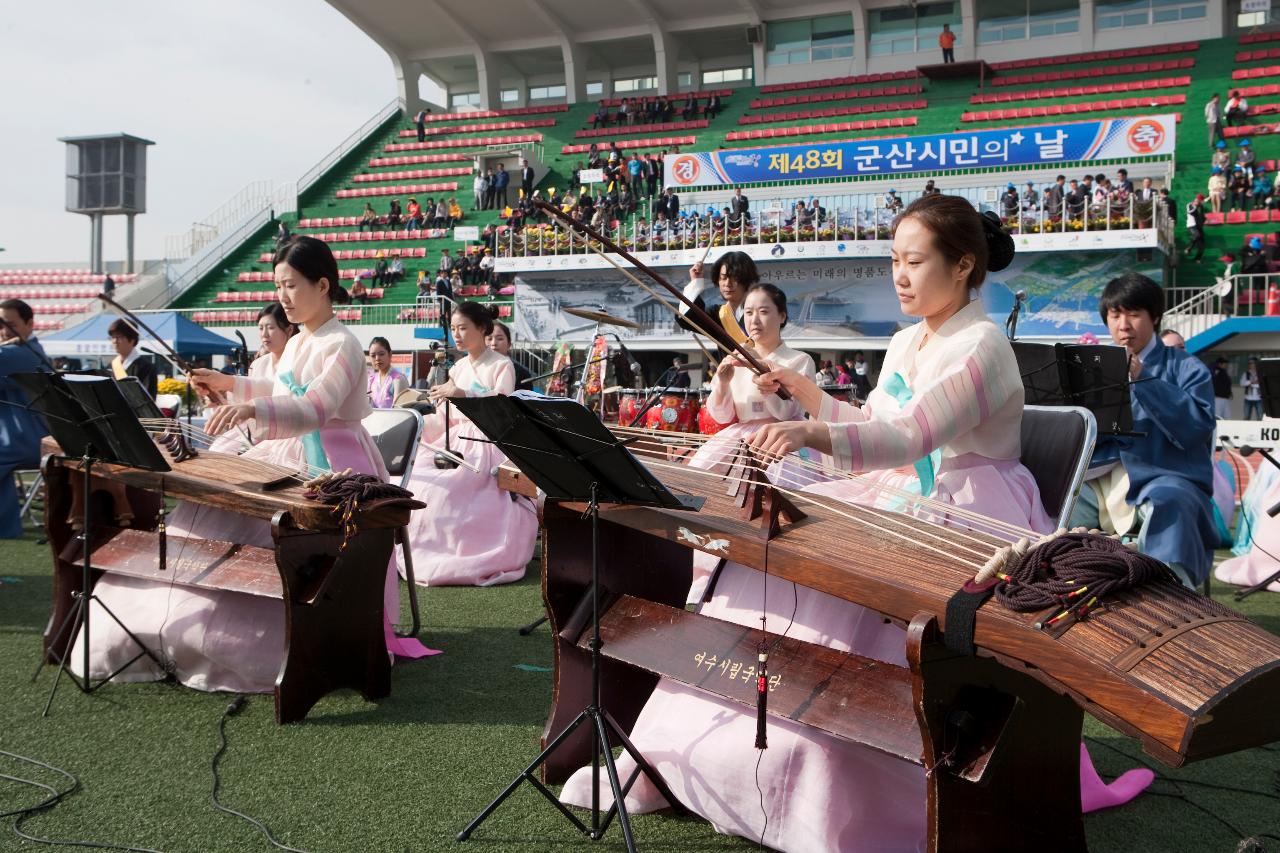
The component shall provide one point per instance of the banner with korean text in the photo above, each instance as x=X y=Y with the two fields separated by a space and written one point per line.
x=1035 y=146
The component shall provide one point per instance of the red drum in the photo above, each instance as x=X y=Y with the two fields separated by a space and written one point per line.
x=844 y=393
x=628 y=405
x=707 y=425
x=677 y=411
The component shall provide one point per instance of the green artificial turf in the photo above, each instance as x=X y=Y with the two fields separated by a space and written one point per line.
x=407 y=773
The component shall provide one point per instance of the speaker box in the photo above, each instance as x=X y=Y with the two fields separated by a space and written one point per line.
x=755 y=34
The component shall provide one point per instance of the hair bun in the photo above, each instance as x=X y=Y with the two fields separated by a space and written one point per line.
x=999 y=244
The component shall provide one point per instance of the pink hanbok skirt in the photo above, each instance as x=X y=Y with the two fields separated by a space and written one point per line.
x=818 y=792
x=472 y=533
x=1257 y=564
x=222 y=640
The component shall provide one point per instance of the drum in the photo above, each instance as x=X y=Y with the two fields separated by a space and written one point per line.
x=843 y=393
x=707 y=425
x=628 y=405
x=676 y=412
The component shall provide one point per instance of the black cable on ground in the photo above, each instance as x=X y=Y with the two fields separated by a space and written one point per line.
x=231 y=711
x=55 y=797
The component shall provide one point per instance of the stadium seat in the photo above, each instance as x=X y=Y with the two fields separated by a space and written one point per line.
x=1236 y=217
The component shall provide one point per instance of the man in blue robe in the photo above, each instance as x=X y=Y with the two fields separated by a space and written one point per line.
x=1162 y=482
x=20 y=429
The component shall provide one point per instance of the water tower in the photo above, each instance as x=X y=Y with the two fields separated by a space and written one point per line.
x=106 y=176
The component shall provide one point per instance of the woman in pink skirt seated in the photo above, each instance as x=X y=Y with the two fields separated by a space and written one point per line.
x=308 y=419
x=736 y=401
x=274 y=330
x=947 y=411
x=472 y=533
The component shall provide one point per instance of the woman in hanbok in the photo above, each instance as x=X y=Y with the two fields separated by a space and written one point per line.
x=385 y=382
x=948 y=410
x=274 y=330
x=472 y=533
x=736 y=401
x=307 y=419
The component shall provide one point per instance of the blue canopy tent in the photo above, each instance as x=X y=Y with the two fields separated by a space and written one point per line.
x=90 y=337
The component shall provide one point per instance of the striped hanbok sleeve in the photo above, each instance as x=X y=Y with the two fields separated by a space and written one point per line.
x=957 y=401
x=341 y=373
x=246 y=389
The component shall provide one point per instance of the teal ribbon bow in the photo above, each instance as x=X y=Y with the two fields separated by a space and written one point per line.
x=896 y=386
x=311 y=444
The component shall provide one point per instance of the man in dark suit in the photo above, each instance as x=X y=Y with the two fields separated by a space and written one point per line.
x=526 y=178
x=670 y=204
x=739 y=205
x=129 y=360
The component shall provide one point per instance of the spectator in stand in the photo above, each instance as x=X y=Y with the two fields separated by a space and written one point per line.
x=1009 y=201
x=1144 y=204
x=892 y=203
x=1170 y=207
x=1030 y=198
x=930 y=188
x=947 y=41
x=395 y=272
x=594 y=157
x=477 y=191
x=653 y=170
x=425 y=290
x=1253 y=258
x=1252 y=384
x=1195 y=228
x=455 y=280
x=635 y=170
x=1213 y=118
x=455 y=212
x=689 y=109
x=360 y=293
x=1221 y=156
x=500 y=181
x=109 y=285
x=670 y=205
x=444 y=293
x=486 y=266
x=379 y=271
x=1221 y=389
x=713 y=105
x=1054 y=196
x=1074 y=200
x=623 y=107
x=446 y=262
x=441 y=217
x=420 y=122
x=282 y=234
x=415 y=215
x=1123 y=184
x=394 y=213
x=1217 y=189
x=490 y=189
x=819 y=212
x=1239 y=188
x=601 y=117
x=1261 y=189
x=1244 y=156
x=1101 y=194
x=526 y=177
x=1237 y=110
x=368 y=219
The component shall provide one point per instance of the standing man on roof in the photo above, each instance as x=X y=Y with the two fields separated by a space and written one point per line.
x=947 y=41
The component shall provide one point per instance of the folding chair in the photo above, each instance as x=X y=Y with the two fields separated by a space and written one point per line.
x=1057 y=443
x=395 y=432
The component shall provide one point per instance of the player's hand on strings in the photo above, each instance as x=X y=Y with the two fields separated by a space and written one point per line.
x=441 y=392
x=785 y=437
x=227 y=417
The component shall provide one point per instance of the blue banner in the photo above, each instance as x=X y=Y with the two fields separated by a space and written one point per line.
x=1038 y=145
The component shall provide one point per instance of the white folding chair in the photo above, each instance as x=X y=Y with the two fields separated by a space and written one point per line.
x=396 y=433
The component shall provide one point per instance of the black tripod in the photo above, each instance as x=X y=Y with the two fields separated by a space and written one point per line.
x=605 y=731
x=77 y=620
x=568 y=453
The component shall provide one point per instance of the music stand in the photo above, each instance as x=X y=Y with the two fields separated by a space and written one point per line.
x=1269 y=379
x=90 y=417
x=1090 y=375
x=568 y=453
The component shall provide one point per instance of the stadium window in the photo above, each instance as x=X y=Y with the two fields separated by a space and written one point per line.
x=467 y=99
x=684 y=80
x=726 y=75
x=635 y=84
x=1142 y=13
x=510 y=96
x=911 y=28
x=809 y=40
x=542 y=93
x=1014 y=20
x=595 y=90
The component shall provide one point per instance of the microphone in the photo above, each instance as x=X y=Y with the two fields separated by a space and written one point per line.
x=1247 y=450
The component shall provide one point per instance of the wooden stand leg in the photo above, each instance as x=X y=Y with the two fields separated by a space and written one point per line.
x=1003 y=748
x=333 y=617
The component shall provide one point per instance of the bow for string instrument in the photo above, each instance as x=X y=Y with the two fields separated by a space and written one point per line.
x=708 y=325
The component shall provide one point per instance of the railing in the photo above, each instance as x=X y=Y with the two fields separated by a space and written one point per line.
x=1197 y=309
x=347 y=145
x=249 y=201
x=213 y=256
x=770 y=225
x=425 y=311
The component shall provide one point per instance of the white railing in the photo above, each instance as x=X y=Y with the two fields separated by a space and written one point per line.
x=347 y=145
x=842 y=217
x=1197 y=310
x=424 y=312
x=244 y=204
x=182 y=278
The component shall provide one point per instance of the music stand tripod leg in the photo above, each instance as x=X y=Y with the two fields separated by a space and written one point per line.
x=601 y=745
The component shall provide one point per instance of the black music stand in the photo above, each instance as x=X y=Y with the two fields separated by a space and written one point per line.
x=1269 y=379
x=90 y=418
x=1095 y=376
x=568 y=453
